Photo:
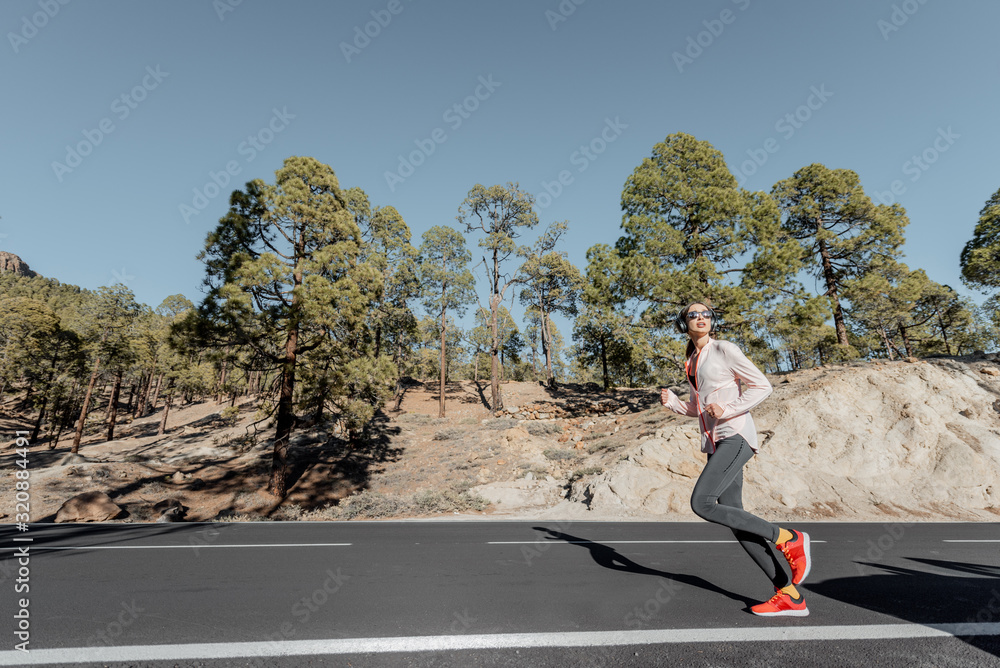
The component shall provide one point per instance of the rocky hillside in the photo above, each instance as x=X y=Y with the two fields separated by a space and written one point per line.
x=12 y=264
x=913 y=440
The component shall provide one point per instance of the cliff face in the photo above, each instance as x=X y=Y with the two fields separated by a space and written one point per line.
x=12 y=264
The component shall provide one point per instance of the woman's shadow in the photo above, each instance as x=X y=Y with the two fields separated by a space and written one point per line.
x=610 y=558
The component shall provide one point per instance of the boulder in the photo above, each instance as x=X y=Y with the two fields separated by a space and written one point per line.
x=169 y=510
x=88 y=507
x=515 y=494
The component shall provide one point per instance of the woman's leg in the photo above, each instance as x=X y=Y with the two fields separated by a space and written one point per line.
x=722 y=469
x=763 y=552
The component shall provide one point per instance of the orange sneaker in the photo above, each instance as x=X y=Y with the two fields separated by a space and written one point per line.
x=796 y=551
x=782 y=605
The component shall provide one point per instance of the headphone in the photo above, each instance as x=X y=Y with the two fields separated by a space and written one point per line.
x=681 y=321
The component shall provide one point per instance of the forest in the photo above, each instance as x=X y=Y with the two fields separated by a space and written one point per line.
x=321 y=304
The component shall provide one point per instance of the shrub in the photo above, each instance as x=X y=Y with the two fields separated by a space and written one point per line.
x=449 y=434
x=500 y=424
x=432 y=501
x=543 y=428
x=369 y=504
x=560 y=455
x=583 y=473
x=605 y=444
x=230 y=415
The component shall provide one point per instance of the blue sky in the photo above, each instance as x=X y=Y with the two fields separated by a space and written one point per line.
x=161 y=96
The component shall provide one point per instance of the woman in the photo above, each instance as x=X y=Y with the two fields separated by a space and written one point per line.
x=728 y=434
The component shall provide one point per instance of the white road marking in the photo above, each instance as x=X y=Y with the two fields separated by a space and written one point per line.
x=608 y=542
x=234 y=650
x=37 y=548
x=971 y=541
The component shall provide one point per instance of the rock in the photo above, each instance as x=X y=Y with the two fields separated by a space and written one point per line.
x=169 y=510
x=73 y=460
x=88 y=507
x=177 y=477
x=989 y=371
x=12 y=264
x=520 y=493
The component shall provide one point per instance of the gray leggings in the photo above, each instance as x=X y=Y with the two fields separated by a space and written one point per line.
x=718 y=498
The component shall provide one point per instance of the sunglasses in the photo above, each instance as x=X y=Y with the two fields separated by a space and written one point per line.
x=707 y=315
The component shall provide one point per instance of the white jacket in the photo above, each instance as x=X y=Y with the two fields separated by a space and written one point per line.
x=719 y=368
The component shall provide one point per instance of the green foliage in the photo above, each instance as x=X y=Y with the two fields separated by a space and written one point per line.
x=840 y=231
x=553 y=285
x=980 y=259
x=447 y=285
x=686 y=223
x=230 y=415
x=290 y=284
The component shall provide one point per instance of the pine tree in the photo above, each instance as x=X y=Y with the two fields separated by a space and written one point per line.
x=284 y=279
x=109 y=316
x=552 y=285
x=501 y=213
x=686 y=225
x=447 y=283
x=840 y=230
x=980 y=258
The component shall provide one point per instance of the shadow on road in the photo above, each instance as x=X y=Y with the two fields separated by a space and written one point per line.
x=963 y=594
x=608 y=557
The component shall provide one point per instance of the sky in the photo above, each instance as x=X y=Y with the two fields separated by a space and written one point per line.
x=128 y=122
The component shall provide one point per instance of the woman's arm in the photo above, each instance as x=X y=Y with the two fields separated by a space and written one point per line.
x=670 y=400
x=757 y=386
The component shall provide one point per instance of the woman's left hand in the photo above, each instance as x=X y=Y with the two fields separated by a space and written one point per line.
x=715 y=410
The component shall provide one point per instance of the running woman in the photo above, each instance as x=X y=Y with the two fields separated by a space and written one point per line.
x=714 y=370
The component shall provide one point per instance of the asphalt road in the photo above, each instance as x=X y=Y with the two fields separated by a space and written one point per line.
x=491 y=594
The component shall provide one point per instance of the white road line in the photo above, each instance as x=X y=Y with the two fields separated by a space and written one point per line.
x=208 y=651
x=607 y=542
x=971 y=541
x=38 y=548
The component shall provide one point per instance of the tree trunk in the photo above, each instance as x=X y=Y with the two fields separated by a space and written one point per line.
x=144 y=387
x=832 y=293
x=285 y=420
x=59 y=432
x=604 y=365
x=944 y=335
x=166 y=411
x=441 y=386
x=906 y=341
x=113 y=406
x=131 y=396
x=38 y=420
x=550 y=378
x=86 y=406
x=495 y=355
x=885 y=340
x=156 y=392
x=222 y=381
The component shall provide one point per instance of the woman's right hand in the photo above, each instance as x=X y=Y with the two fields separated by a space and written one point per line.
x=664 y=396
